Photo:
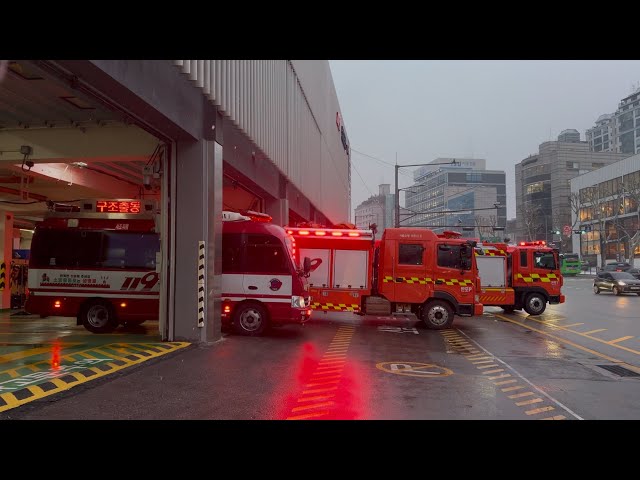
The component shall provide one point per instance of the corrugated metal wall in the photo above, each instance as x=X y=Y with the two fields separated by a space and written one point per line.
x=266 y=100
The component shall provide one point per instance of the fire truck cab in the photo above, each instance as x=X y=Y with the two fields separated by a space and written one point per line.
x=523 y=276
x=410 y=270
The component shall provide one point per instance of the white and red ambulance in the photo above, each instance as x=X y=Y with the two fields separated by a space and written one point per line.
x=96 y=261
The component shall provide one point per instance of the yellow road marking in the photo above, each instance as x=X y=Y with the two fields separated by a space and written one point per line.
x=330 y=368
x=8 y=357
x=511 y=389
x=539 y=410
x=504 y=382
x=594 y=331
x=319 y=390
x=566 y=326
x=621 y=339
x=557 y=417
x=317 y=397
x=569 y=342
x=483 y=361
x=478 y=357
x=10 y=401
x=487 y=366
x=529 y=402
x=520 y=395
x=337 y=349
x=309 y=407
x=504 y=375
x=315 y=384
x=330 y=362
x=333 y=356
x=329 y=374
x=307 y=415
x=493 y=371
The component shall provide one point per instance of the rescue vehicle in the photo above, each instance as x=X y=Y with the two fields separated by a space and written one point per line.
x=97 y=260
x=409 y=270
x=526 y=275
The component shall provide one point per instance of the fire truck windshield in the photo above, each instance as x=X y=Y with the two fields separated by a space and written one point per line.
x=545 y=260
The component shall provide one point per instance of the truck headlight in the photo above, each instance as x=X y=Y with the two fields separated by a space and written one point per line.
x=297 y=302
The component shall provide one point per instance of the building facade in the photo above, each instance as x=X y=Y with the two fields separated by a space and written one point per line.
x=543 y=203
x=619 y=131
x=449 y=195
x=608 y=213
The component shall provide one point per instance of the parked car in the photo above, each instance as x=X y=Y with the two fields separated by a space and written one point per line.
x=616 y=267
x=635 y=272
x=616 y=282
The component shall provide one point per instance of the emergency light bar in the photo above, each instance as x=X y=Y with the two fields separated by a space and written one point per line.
x=537 y=243
x=326 y=232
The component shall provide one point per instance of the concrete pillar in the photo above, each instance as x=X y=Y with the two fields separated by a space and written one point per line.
x=278 y=208
x=198 y=217
x=6 y=247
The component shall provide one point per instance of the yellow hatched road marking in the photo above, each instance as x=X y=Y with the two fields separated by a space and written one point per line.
x=557 y=417
x=315 y=384
x=520 y=395
x=309 y=407
x=317 y=397
x=529 y=402
x=330 y=362
x=319 y=390
x=504 y=375
x=308 y=415
x=566 y=326
x=504 y=382
x=493 y=371
x=594 y=331
x=487 y=366
x=621 y=339
x=511 y=389
x=483 y=361
x=539 y=410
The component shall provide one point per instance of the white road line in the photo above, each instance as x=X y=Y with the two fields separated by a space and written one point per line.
x=557 y=402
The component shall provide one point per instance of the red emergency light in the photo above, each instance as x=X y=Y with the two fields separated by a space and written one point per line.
x=537 y=243
x=336 y=234
x=320 y=233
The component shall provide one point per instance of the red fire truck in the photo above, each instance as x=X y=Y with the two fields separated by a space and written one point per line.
x=526 y=275
x=410 y=270
x=96 y=261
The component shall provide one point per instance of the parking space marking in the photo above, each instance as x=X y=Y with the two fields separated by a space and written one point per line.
x=594 y=331
x=452 y=339
x=577 y=345
x=618 y=340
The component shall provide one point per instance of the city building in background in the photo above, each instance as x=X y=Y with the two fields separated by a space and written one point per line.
x=620 y=131
x=543 y=201
x=463 y=195
x=607 y=219
x=377 y=209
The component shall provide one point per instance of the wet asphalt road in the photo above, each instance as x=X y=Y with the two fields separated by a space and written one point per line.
x=347 y=367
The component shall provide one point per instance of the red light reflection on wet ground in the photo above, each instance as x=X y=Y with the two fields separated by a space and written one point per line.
x=55 y=355
x=330 y=387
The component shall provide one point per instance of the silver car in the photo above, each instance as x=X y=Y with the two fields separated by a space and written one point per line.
x=616 y=282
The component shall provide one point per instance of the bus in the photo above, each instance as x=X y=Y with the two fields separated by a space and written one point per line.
x=99 y=262
x=570 y=264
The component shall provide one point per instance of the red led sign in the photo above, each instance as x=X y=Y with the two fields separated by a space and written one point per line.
x=109 y=206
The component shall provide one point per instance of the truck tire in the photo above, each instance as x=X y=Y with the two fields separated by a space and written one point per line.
x=98 y=316
x=437 y=315
x=535 y=304
x=250 y=319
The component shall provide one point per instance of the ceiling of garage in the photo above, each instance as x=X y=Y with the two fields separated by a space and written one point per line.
x=36 y=105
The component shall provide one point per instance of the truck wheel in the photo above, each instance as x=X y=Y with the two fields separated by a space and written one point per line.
x=250 y=319
x=616 y=291
x=535 y=304
x=98 y=316
x=437 y=315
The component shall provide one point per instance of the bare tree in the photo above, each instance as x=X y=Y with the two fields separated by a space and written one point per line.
x=531 y=217
x=627 y=200
x=596 y=206
x=485 y=226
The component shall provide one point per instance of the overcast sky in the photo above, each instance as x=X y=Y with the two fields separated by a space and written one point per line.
x=497 y=110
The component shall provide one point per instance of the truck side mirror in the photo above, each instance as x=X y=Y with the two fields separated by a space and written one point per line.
x=306 y=266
